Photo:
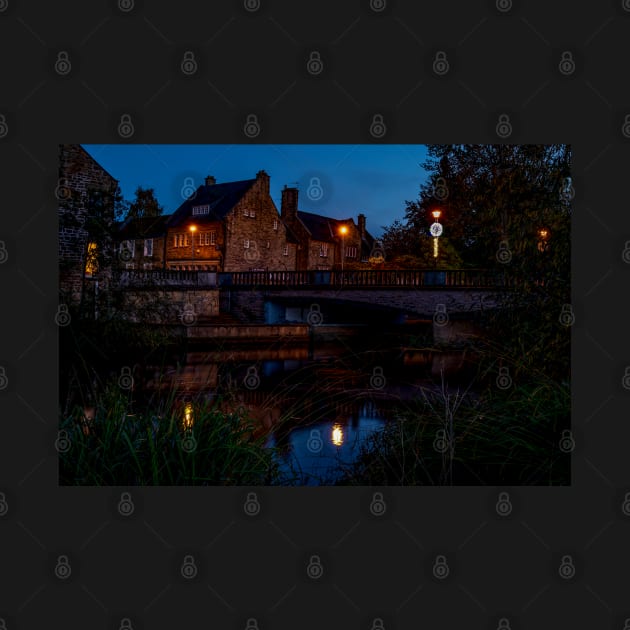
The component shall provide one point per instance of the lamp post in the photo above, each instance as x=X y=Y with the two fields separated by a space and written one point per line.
x=193 y=229
x=343 y=229
x=544 y=235
x=436 y=231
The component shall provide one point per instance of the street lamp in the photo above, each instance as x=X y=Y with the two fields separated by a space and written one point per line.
x=544 y=235
x=436 y=231
x=193 y=229
x=343 y=229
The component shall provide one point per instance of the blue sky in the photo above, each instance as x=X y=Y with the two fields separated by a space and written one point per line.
x=335 y=180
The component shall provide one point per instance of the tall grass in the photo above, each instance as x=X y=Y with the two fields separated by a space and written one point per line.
x=116 y=446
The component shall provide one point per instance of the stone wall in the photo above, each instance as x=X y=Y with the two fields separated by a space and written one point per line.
x=170 y=306
x=79 y=177
x=264 y=233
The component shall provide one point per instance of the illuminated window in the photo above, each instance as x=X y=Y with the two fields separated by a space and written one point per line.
x=323 y=250
x=275 y=224
x=197 y=210
x=351 y=252
x=91 y=261
x=285 y=250
x=246 y=212
x=148 y=247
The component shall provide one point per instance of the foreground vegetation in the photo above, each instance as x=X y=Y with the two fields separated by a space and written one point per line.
x=175 y=444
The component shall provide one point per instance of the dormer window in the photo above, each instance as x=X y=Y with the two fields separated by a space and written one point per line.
x=275 y=224
x=199 y=210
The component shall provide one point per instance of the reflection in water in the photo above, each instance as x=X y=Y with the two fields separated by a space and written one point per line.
x=188 y=416
x=337 y=434
x=294 y=396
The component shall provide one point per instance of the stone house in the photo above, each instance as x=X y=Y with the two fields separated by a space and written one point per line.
x=86 y=194
x=141 y=242
x=325 y=242
x=233 y=226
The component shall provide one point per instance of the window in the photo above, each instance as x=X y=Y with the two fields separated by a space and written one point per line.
x=185 y=240
x=275 y=224
x=197 y=210
x=285 y=250
x=213 y=238
x=351 y=252
x=130 y=266
x=252 y=213
x=148 y=247
x=268 y=244
x=323 y=250
x=180 y=240
x=91 y=262
x=246 y=212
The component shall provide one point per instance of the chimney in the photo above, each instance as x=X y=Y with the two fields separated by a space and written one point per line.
x=361 y=224
x=263 y=178
x=210 y=180
x=289 y=205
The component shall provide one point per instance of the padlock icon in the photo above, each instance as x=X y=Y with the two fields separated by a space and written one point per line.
x=189 y=63
x=125 y=505
x=504 y=624
x=378 y=128
x=440 y=189
x=567 y=318
x=440 y=317
x=251 y=624
x=4 y=506
x=125 y=624
x=252 y=505
x=504 y=505
x=126 y=5
x=62 y=568
x=625 y=254
x=315 y=64
x=625 y=128
x=378 y=506
x=4 y=5
x=440 y=63
x=4 y=379
x=63 y=65
x=4 y=128
x=62 y=317
x=377 y=380
x=189 y=443
x=440 y=443
x=314 y=317
x=504 y=255
x=125 y=380
x=315 y=442
x=567 y=443
x=3 y=623
x=441 y=568
x=626 y=625
x=504 y=5
x=252 y=127
x=504 y=380
x=378 y=5
x=315 y=191
x=188 y=315
x=252 y=380
x=567 y=568
x=377 y=254
x=315 y=570
x=63 y=443
x=504 y=126
x=378 y=624
x=251 y=5
x=625 y=506
x=626 y=378
x=251 y=253
x=62 y=190
x=188 y=190
x=189 y=568
x=125 y=126
x=567 y=64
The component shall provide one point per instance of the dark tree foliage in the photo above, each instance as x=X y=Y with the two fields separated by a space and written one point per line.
x=145 y=204
x=507 y=208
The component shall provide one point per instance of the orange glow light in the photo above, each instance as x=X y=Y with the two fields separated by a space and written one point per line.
x=436 y=214
x=192 y=228
x=343 y=229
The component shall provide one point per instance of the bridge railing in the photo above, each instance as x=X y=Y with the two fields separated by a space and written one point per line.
x=455 y=278
x=166 y=277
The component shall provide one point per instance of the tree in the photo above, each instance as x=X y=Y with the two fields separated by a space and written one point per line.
x=145 y=204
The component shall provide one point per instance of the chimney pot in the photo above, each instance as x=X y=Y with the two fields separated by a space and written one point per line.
x=210 y=180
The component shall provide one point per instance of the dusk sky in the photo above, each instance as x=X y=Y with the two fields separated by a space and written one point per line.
x=339 y=181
